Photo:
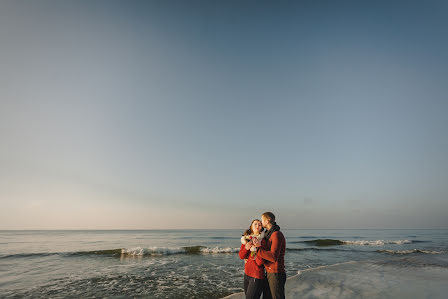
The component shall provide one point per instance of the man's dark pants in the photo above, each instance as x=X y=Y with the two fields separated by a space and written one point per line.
x=275 y=286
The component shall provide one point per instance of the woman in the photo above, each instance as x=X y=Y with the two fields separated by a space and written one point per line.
x=253 y=264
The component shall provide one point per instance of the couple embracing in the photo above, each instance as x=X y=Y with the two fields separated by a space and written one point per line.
x=263 y=250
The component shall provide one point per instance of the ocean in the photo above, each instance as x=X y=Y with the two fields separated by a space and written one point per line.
x=195 y=263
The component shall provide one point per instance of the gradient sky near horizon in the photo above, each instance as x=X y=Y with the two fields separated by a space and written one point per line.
x=204 y=114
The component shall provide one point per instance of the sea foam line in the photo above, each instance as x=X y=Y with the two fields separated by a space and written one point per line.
x=140 y=251
x=132 y=252
x=377 y=242
x=335 y=242
x=411 y=251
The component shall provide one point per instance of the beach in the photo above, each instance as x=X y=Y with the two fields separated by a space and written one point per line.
x=205 y=264
x=368 y=280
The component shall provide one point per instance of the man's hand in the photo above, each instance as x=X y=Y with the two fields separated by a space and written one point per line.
x=256 y=242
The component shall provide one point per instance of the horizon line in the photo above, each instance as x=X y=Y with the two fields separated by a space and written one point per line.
x=214 y=229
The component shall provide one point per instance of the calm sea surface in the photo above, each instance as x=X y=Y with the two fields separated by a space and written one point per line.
x=184 y=263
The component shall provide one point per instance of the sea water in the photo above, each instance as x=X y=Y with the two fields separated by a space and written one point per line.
x=198 y=263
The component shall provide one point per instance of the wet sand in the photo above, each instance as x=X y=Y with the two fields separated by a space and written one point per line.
x=368 y=280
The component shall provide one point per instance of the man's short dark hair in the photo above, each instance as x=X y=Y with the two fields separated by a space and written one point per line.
x=269 y=216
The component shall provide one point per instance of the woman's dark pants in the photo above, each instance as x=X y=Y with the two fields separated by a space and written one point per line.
x=253 y=287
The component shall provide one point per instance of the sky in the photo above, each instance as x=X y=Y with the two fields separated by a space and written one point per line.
x=205 y=114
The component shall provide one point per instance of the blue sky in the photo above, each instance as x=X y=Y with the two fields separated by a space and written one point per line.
x=204 y=114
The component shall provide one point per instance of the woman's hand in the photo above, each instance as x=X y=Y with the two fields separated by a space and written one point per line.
x=248 y=245
x=256 y=242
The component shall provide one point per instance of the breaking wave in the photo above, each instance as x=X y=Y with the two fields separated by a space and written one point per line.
x=335 y=242
x=411 y=251
x=378 y=242
x=139 y=251
x=323 y=245
x=322 y=249
x=133 y=252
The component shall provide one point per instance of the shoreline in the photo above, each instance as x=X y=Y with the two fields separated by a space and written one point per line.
x=367 y=279
x=241 y=294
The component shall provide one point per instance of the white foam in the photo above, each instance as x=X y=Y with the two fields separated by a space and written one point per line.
x=377 y=242
x=219 y=250
x=413 y=251
x=139 y=251
x=354 y=280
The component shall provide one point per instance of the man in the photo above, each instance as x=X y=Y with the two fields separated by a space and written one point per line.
x=273 y=252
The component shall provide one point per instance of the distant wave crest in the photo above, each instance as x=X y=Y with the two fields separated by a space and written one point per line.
x=132 y=252
x=335 y=242
x=139 y=251
x=377 y=242
x=411 y=251
x=161 y=251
